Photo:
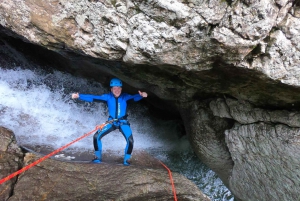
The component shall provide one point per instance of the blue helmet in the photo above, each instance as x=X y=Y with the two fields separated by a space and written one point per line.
x=115 y=82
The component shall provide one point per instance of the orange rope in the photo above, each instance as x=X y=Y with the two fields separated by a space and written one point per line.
x=171 y=179
x=49 y=155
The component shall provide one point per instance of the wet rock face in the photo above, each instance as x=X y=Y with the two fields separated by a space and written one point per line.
x=266 y=161
x=264 y=147
x=187 y=54
x=11 y=160
x=57 y=180
x=206 y=134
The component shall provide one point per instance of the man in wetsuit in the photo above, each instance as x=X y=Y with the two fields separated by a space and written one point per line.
x=117 y=105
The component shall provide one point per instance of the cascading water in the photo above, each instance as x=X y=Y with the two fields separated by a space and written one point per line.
x=37 y=106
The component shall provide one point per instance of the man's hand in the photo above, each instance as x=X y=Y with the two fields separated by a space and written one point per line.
x=143 y=94
x=75 y=95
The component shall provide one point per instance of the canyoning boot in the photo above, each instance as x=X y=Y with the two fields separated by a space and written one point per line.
x=126 y=158
x=97 y=158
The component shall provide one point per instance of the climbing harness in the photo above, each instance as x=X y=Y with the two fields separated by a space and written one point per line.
x=98 y=127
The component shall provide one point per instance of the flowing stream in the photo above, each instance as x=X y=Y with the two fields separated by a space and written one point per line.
x=37 y=106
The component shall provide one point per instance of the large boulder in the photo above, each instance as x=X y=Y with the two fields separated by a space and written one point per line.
x=64 y=180
x=178 y=50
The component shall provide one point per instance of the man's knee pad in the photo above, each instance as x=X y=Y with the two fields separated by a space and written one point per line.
x=130 y=140
x=100 y=134
x=129 y=146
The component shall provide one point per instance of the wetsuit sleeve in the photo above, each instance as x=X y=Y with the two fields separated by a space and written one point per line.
x=92 y=98
x=135 y=97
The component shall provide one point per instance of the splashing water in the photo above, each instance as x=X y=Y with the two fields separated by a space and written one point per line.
x=37 y=106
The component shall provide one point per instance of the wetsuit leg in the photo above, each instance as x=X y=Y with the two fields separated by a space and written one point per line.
x=127 y=133
x=97 y=139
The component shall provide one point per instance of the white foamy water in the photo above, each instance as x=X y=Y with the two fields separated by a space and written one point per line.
x=38 y=108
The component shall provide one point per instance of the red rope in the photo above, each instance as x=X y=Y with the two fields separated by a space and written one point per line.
x=49 y=155
x=171 y=179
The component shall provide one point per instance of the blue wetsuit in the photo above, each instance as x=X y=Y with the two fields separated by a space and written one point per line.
x=117 y=108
